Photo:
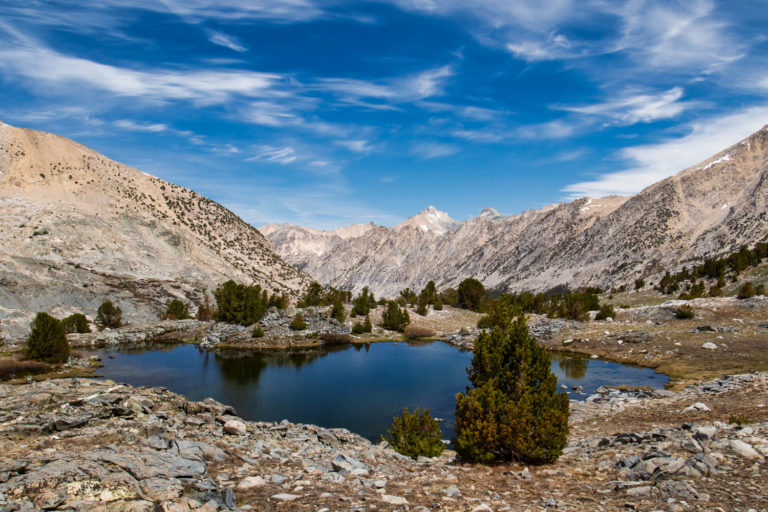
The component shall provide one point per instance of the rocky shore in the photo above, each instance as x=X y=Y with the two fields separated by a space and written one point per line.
x=75 y=444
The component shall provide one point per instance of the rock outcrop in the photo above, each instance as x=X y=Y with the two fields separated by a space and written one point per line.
x=77 y=228
x=75 y=444
x=707 y=210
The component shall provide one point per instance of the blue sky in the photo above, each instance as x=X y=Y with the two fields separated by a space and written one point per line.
x=327 y=113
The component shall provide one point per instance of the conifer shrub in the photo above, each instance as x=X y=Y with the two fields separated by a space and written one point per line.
x=685 y=312
x=337 y=311
x=395 y=318
x=47 y=341
x=415 y=434
x=257 y=332
x=470 y=294
x=513 y=410
x=364 y=327
x=176 y=310
x=760 y=289
x=240 y=304
x=639 y=284
x=363 y=303
x=415 y=333
x=422 y=308
x=76 y=322
x=298 y=323
x=747 y=290
x=716 y=291
x=606 y=311
x=109 y=315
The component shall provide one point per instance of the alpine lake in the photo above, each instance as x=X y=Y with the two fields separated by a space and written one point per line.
x=359 y=387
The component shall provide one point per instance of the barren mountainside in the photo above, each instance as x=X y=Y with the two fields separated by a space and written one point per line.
x=77 y=228
x=709 y=209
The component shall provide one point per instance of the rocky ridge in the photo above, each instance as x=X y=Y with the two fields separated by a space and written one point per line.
x=75 y=444
x=78 y=228
x=710 y=209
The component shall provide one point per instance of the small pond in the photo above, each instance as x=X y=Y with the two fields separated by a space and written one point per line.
x=358 y=387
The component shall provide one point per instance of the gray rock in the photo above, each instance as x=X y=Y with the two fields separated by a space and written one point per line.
x=162 y=489
x=285 y=497
x=345 y=463
x=394 y=500
x=709 y=346
x=235 y=427
x=744 y=450
x=228 y=497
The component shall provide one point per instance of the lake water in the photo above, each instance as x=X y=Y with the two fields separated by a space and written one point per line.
x=358 y=387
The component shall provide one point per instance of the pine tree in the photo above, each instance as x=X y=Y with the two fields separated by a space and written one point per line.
x=395 y=318
x=337 y=312
x=109 y=315
x=47 y=340
x=176 y=310
x=513 y=410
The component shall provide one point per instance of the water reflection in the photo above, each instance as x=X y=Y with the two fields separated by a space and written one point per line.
x=574 y=367
x=359 y=387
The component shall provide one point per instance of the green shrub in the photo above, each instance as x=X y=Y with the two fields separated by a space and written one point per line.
x=739 y=419
x=363 y=303
x=716 y=291
x=685 y=312
x=471 y=294
x=747 y=290
x=422 y=308
x=760 y=290
x=513 y=410
x=395 y=318
x=257 y=332
x=240 y=304
x=76 y=322
x=176 y=310
x=484 y=322
x=47 y=340
x=337 y=312
x=298 y=323
x=606 y=311
x=360 y=328
x=415 y=434
x=639 y=284
x=109 y=315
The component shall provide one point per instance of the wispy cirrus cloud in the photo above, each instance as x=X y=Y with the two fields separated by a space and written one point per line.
x=395 y=90
x=356 y=145
x=222 y=39
x=653 y=162
x=631 y=108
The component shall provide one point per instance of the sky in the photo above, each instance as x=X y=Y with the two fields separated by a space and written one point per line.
x=329 y=112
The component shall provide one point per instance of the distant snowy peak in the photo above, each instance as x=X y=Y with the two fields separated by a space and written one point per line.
x=432 y=221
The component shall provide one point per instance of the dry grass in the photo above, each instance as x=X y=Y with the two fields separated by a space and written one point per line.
x=10 y=368
x=335 y=339
x=414 y=333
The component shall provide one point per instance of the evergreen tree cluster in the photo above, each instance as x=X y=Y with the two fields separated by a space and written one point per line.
x=712 y=268
x=316 y=295
x=363 y=303
x=109 y=315
x=364 y=327
x=76 y=322
x=245 y=305
x=395 y=318
x=557 y=303
x=513 y=410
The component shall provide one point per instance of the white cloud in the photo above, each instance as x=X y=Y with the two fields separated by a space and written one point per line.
x=557 y=129
x=429 y=150
x=46 y=66
x=396 y=90
x=637 y=108
x=356 y=145
x=555 y=46
x=467 y=111
x=127 y=124
x=226 y=41
x=653 y=162
x=273 y=154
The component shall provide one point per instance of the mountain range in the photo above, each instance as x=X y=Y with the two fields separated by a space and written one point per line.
x=709 y=209
x=77 y=228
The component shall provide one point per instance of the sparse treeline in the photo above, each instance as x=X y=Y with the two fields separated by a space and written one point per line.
x=691 y=282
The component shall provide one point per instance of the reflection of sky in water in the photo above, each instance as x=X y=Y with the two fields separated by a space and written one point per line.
x=357 y=387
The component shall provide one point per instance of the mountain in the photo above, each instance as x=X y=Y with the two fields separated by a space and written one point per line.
x=709 y=209
x=77 y=228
